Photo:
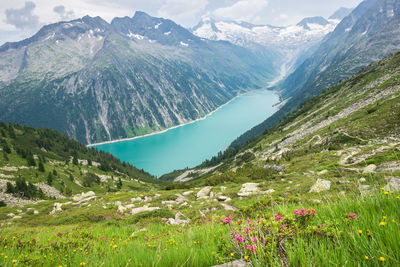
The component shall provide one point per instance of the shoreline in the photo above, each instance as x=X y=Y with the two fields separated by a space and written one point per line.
x=170 y=128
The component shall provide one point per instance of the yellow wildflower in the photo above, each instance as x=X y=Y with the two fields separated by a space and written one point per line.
x=382 y=188
x=246 y=258
x=366 y=257
x=232 y=254
x=381 y=258
x=5 y=257
x=383 y=223
x=386 y=193
x=83 y=263
x=115 y=246
x=360 y=232
x=14 y=261
x=384 y=217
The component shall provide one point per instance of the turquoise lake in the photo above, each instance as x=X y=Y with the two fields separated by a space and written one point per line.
x=191 y=144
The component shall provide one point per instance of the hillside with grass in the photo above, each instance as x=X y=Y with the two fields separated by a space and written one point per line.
x=44 y=164
x=319 y=189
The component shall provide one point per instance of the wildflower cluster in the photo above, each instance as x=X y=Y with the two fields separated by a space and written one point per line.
x=263 y=239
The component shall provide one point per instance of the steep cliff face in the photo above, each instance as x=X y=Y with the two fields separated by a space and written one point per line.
x=97 y=81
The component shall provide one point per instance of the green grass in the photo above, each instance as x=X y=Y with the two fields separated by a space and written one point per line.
x=146 y=241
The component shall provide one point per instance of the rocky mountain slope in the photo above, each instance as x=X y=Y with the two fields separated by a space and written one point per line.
x=349 y=132
x=96 y=81
x=368 y=34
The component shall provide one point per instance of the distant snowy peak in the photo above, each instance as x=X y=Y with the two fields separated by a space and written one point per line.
x=307 y=32
x=143 y=27
x=305 y=23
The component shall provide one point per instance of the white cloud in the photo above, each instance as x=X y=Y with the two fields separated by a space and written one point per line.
x=63 y=12
x=22 y=18
x=245 y=10
x=182 y=9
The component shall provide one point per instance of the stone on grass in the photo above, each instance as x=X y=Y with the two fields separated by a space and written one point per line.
x=223 y=198
x=142 y=209
x=370 y=168
x=228 y=207
x=84 y=196
x=393 y=185
x=249 y=189
x=320 y=186
x=178 y=220
x=204 y=192
x=56 y=208
x=187 y=193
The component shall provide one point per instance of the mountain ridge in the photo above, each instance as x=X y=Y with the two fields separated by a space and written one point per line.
x=177 y=85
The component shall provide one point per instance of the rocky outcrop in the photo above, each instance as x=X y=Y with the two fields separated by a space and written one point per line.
x=370 y=168
x=249 y=189
x=204 y=193
x=84 y=197
x=142 y=209
x=56 y=208
x=320 y=186
x=393 y=185
x=178 y=220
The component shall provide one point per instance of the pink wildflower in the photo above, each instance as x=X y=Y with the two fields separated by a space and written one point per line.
x=278 y=218
x=352 y=215
x=252 y=248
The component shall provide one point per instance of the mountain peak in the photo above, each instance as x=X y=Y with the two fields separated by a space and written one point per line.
x=141 y=14
x=341 y=13
x=312 y=20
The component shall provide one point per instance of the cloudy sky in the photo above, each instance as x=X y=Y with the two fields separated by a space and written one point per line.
x=20 y=19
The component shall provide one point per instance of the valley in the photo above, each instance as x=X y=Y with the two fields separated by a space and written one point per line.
x=191 y=144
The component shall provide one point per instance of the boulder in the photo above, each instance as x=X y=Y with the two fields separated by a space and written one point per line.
x=187 y=193
x=142 y=209
x=223 y=198
x=320 y=186
x=204 y=192
x=136 y=199
x=249 y=189
x=393 y=185
x=370 y=168
x=228 y=207
x=178 y=220
x=121 y=209
x=223 y=188
x=84 y=196
x=56 y=208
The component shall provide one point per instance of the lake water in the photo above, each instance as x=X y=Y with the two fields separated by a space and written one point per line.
x=191 y=144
